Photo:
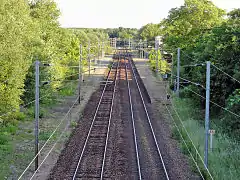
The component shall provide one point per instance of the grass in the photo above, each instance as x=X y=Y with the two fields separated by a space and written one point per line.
x=225 y=157
x=69 y=90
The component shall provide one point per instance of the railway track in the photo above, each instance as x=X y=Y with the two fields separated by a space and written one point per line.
x=146 y=145
x=99 y=151
x=91 y=162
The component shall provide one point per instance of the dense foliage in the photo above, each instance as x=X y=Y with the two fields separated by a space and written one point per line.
x=149 y=32
x=123 y=33
x=213 y=39
x=205 y=32
x=30 y=31
x=155 y=59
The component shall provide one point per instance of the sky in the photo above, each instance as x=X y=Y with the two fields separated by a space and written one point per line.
x=121 y=13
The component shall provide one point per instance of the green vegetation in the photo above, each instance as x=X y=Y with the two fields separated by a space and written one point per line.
x=224 y=159
x=149 y=32
x=123 y=33
x=30 y=31
x=212 y=38
x=205 y=32
x=163 y=65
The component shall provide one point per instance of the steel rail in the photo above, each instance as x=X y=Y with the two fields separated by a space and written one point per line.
x=109 y=123
x=90 y=129
x=133 y=123
x=149 y=121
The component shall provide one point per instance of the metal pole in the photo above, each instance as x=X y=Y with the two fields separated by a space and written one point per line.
x=102 y=49
x=211 y=142
x=161 y=58
x=89 y=59
x=157 y=60
x=178 y=72
x=139 y=50
x=98 y=50
x=175 y=83
x=37 y=63
x=129 y=45
x=172 y=69
x=79 y=82
x=207 y=113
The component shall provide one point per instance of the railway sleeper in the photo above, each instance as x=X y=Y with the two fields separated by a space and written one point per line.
x=98 y=136
x=101 y=121
x=94 y=140
x=95 y=148
x=89 y=174
x=109 y=89
x=92 y=177
x=105 y=107
x=106 y=101
x=99 y=130
x=107 y=96
x=100 y=127
x=103 y=114
x=107 y=92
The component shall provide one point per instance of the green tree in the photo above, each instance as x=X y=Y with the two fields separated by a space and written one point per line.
x=189 y=22
x=149 y=32
x=17 y=31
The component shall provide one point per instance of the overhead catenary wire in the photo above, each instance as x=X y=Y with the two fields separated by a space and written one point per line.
x=25 y=105
x=69 y=111
x=211 y=65
x=189 y=136
x=59 y=138
x=199 y=170
x=187 y=55
x=56 y=80
x=66 y=115
x=225 y=73
x=213 y=102
x=194 y=83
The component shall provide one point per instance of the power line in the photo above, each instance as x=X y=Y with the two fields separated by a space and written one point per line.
x=48 y=138
x=25 y=105
x=194 y=83
x=213 y=102
x=225 y=73
x=175 y=124
x=189 y=136
x=59 y=138
x=187 y=55
x=69 y=111
x=190 y=139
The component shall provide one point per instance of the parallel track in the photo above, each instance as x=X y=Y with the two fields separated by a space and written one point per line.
x=136 y=136
x=133 y=123
x=95 y=156
x=92 y=159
